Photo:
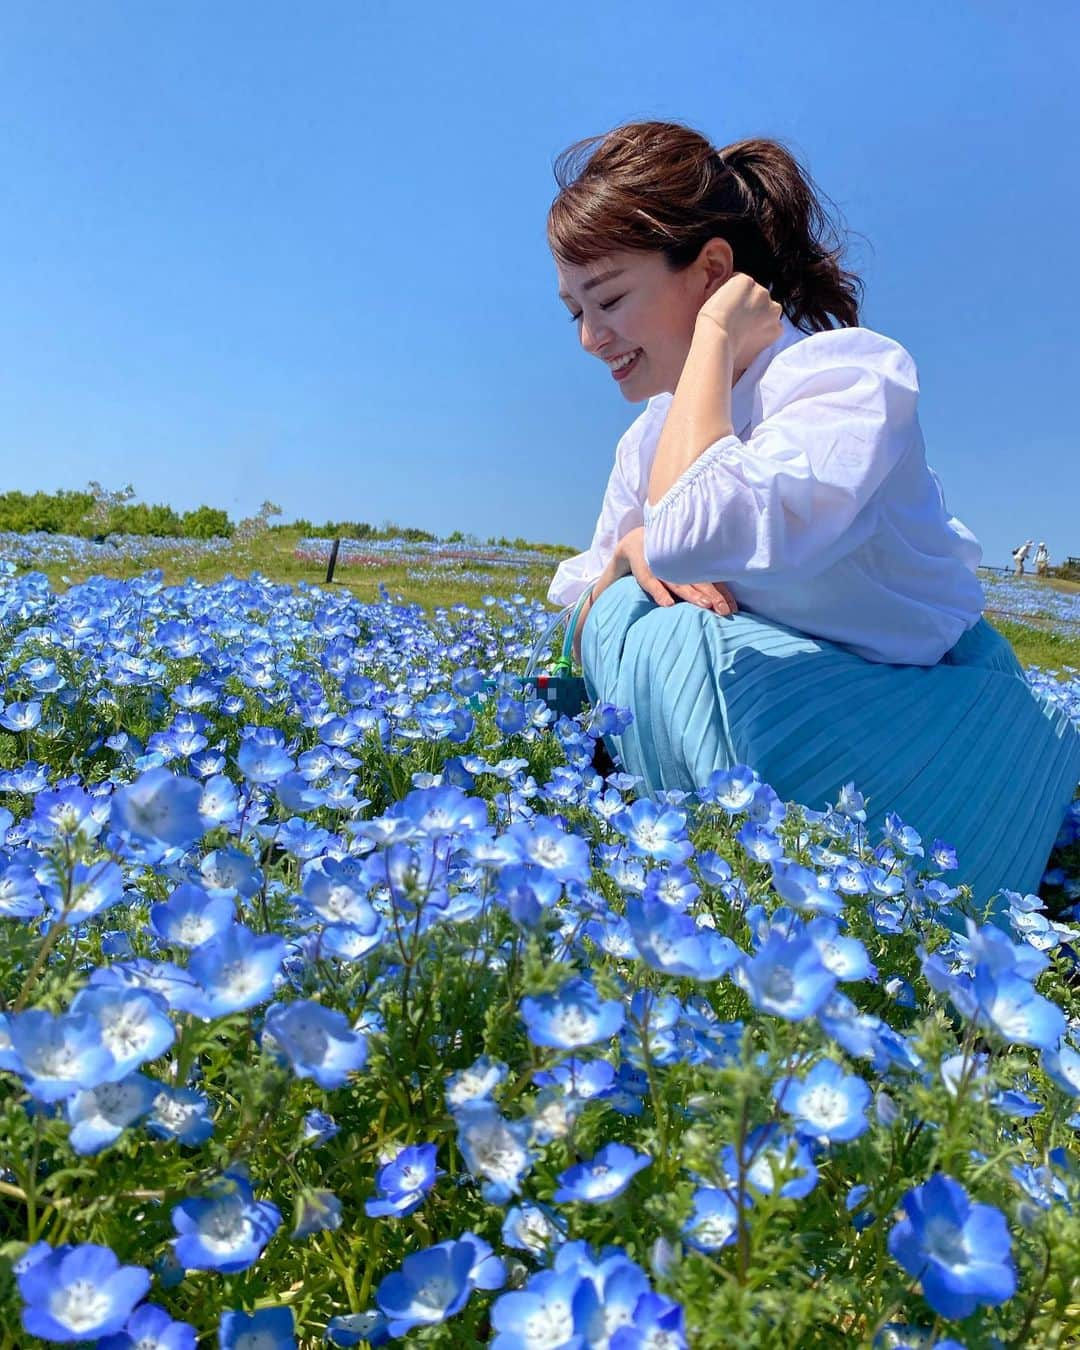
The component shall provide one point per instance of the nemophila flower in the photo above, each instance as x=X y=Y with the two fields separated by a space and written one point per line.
x=230 y=871
x=572 y=1017
x=67 y=812
x=961 y=1252
x=787 y=977
x=653 y=831
x=1063 y=1066
x=160 y=806
x=134 y=1024
x=319 y=1127
x=759 y=842
x=76 y=1293
x=403 y=1183
x=676 y=944
x=603 y=1177
x=335 y=890
x=713 y=1221
x=731 y=789
x=352 y=1328
x=585 y=1079
x=656 y=1322
x=150 y=1328
x=58 y=1055
x=99 y=1116
x=827 y=1104
x=317 y=1041
x=20 y=717
x=191 y=916
x=565 y=856
x=94 y=887
x=1009 y=1005
x=770 y=1156
x=442 y=810
x=532 y=1228
x=434 y=1284
x=476 y=1082
x=267 y=1329
x=542 y=1315
x=235 y=970
x=262 y=757
x=317 y=1211
x=800 y=888
x=226 y=1229
x=674 y=885
x=181 y=1114
x=494 y=1149
x=20 y=893
x=846 y=957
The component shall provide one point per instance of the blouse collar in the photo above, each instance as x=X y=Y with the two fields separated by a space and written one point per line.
x=742 y=393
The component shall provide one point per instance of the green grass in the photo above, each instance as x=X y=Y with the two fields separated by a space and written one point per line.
x=272 y=554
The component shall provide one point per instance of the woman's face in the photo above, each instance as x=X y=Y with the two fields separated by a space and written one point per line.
x=631 y=303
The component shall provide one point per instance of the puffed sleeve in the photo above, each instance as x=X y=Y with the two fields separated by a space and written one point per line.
x=620 y=512
x=838 y=414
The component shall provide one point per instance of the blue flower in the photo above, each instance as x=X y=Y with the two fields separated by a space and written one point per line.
x=191 y=916
x=58 y=1055
x=476 y=1082
x=494 y=1148
x=267 y=1329
x=787 y=977
x=317 y=1041
x=676 y=944
x=134 y=1025
x=160 y=806
x=574 y=1016
x=770 y=1155
x=225 y=1230
x=316 y=1211
x=404 y=1182
x=603 y=1177
x=541 y=841
x=431 y=1286
x=827 y=1104
x=548 y=1312
x=262 y=758
x=657 y=1322
x=181 y=1114
x=150 y=1328
x=1063 y=1066
x=76 y=1293
x=236 y=971
x=99 y=1115
x=714 y=1220
x=960 y=1251
x=653 y=831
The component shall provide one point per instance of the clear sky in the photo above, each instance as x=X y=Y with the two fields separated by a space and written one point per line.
x=297 y=252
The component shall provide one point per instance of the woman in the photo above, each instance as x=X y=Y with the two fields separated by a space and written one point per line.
x=775 y=578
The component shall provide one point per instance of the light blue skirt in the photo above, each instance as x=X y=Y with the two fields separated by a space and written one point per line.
x=964 y=751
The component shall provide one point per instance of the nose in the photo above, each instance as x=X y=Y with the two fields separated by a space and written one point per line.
x=594 y=335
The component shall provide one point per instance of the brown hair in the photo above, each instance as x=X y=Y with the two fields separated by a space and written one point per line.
x=662 y=186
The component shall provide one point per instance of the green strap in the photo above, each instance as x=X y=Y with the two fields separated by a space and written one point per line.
x=565 y=664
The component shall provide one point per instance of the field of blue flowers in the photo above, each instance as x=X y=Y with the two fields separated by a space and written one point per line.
x=343 y=1001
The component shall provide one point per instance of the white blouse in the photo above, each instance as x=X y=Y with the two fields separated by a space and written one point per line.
x=820 y=512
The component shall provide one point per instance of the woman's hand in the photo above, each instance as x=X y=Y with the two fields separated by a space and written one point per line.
x=747 y=313
x=629 y=560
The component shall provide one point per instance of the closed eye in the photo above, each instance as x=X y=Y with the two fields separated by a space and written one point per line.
x=609 y=305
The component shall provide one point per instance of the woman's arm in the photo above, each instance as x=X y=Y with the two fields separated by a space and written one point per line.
x=700 y=411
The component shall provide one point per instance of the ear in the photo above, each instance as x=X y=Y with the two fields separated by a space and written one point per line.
x=717 y=262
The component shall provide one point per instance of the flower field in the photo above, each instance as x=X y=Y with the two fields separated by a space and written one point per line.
x=343 y=1001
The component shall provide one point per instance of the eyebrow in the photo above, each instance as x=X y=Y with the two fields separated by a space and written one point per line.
x=604 y=276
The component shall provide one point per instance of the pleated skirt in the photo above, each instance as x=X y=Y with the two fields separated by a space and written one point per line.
x=965 y=751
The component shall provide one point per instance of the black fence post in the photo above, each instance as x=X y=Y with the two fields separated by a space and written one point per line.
x=333 y=561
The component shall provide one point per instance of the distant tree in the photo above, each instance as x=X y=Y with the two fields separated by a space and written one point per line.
x=207 y=523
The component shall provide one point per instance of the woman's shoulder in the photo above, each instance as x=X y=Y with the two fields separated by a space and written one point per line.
x=843 y=349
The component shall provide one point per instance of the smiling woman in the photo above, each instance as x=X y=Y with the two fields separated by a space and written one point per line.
x=776 y=483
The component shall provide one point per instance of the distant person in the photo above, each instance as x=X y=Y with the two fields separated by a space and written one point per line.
x=774 y=578
x=1020 y=556
x=1042 y=561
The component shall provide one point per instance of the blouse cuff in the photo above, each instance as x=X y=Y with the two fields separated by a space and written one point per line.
x=719 y=450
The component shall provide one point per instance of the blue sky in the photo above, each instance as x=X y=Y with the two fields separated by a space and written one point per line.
x=297 y=252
